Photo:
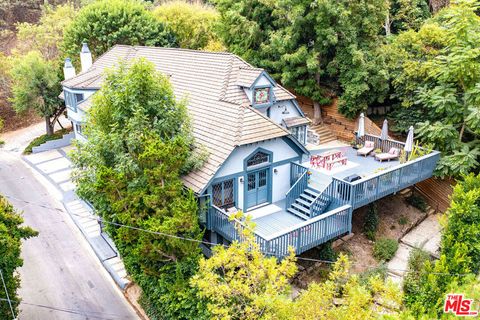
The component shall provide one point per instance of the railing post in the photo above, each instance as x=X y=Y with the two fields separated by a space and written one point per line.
x=299 y=240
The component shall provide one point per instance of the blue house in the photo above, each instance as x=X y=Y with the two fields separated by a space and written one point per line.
x=256 y=137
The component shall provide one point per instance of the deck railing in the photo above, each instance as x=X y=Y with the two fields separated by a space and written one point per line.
x=364 y=191
x=298 y=186
x=302 y=236
x=384 y=145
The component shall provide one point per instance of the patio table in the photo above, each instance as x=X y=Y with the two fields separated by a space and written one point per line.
x=322 y=158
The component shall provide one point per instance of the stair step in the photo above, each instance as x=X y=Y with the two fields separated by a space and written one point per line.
x=297 y=213
x=301 y=208
x=307 y=197
x=310 y=192
x=305 y=203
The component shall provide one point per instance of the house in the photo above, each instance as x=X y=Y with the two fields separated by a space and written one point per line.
x=255 y=134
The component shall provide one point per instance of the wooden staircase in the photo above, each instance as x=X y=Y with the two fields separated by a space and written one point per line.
x=302 y=205
x=324 y=133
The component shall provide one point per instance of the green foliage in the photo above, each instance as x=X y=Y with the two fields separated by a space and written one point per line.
x=411 y=285
x=11 y=235
x=371 y=222
x=402 y=220
x=239 y=282
x=105 y=23
x=36 y=85
x=326 y=252
x=432 y=72
x=313 y=47
x=139 y=145
x=379 y=271
x=44 y=138
x=384 y=249
x=460 y=253
x=192 y=23
x=46 y=35
x=418 y=202
x=407 y=14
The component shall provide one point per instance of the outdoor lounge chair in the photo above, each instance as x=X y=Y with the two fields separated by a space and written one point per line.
x=394 y=153
x=369 y=146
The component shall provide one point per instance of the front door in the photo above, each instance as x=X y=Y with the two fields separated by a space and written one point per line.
x=257 y=187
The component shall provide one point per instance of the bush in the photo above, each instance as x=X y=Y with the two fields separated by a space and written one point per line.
x=44 y=138
x=417 y=202
x=411 y=282
x=380 y=271
x=326 y=252
x=371 y=222
x=384 y=249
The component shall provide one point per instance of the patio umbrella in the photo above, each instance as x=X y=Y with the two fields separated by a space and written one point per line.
x=409 y=143
x=361 y=126
x=384 y=134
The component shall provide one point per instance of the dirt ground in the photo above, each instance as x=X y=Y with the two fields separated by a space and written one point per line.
x=13 y=121
x=395 y=218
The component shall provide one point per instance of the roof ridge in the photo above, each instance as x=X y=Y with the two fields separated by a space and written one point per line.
x=226 y=80
x=177 y=49
x=239 y=122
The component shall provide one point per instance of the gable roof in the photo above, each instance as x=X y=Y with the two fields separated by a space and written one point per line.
x=221 y=115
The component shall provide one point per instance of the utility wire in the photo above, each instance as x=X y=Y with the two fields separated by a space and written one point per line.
x=98 y=219
x=8 y=297
x=89 y=314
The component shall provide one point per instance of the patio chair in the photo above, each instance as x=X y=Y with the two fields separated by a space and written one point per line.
x=367 y=148
x=394 y=153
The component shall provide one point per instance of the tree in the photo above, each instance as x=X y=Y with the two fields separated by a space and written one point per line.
x=239 y=282
x=130 y=168
x=36 y=85
x=192 y=23
x=405 y=15
x=436 y=75
x=317 y=48
x=460 y=253
x=11 y=235
x=104 y=23
x=46 y=35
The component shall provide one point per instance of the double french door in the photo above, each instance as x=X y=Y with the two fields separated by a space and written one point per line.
x=257 y=187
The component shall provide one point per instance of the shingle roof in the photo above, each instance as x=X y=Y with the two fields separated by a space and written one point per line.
x=221 y=116
x=246 y=76
x=85 y=104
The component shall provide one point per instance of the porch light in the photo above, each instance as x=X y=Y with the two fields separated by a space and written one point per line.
x=241 y=180
x=285 y=111
x=275 y=170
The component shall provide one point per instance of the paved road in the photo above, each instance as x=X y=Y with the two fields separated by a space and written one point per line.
x=60 y=269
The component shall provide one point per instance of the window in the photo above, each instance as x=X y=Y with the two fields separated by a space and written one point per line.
x=261 y=95
x=80 y=128
x=78 y=97
x=223 y=195
x=258 y=158
x=299 y=133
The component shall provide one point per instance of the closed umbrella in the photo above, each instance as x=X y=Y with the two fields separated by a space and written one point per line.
x=384 y=135
x=361 y=126
x=409 y=143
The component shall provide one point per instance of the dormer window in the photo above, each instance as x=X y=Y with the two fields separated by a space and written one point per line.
x=261 y=95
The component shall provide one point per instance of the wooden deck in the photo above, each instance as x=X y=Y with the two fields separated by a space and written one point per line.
x=275 y=222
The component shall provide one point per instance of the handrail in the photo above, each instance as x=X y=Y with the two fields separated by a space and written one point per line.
x=295 y=184
x=317 y=197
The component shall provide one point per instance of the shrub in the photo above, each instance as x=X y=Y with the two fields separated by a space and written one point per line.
x=371 y=222
x=411 y=282
x=384 y=249
x=44 y=138
x=417 y=202
x=326 y=252
x=403 y=220
x=379 y=271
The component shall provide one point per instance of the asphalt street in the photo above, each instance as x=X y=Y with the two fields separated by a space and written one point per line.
x=61 y=277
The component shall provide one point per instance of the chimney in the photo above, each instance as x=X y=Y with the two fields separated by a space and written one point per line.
x=68 y=69
x=85 y=57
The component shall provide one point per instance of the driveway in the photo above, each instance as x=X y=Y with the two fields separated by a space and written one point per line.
x=61 y=277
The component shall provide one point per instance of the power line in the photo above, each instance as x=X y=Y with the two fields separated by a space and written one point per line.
x=8 y=297
x=89 y=314
x=98 y=219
